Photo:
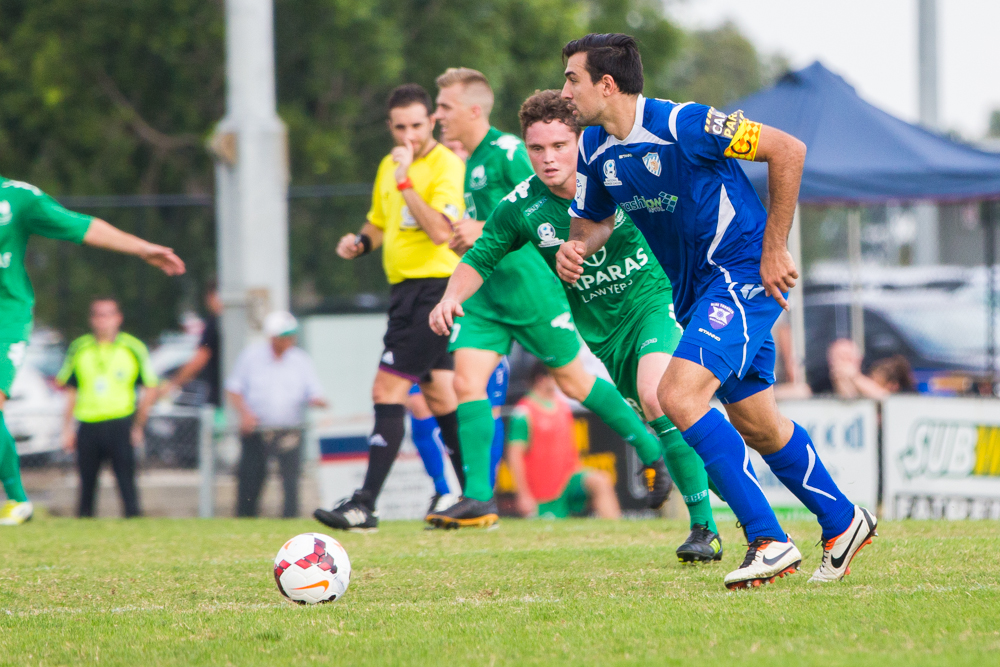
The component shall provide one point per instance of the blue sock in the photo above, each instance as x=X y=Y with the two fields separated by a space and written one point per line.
x=496 y=451
x=799 y=468
x=727 y=461
x=426 y=436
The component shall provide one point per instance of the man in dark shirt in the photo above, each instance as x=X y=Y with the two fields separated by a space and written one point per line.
x=205 y=365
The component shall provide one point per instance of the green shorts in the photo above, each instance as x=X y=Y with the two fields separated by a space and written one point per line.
x=12 y=353
x=654 y=330
x=555 y=342
x=572 y=501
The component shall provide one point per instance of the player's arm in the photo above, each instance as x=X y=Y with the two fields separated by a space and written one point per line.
x=100 y=234
x=69 y=430
x=362 y=243
x=150 y=391
x=785 y=157
x=517 y=444
x=585 y=238
x=464 y=282
x=435 y=224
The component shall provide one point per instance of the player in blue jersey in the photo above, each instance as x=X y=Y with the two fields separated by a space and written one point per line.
x=672 y=168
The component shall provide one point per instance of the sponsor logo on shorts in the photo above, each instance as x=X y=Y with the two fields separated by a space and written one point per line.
x=611 y=173
x=750 y=291
x=387 y=358
x=652 y=162
x=564 y=321
x=376 y=440
x=547 y=234
x=645 y=343
x=719 y=315
x=709 y=334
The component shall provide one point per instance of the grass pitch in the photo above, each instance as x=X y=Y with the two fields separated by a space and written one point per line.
x=190 y=592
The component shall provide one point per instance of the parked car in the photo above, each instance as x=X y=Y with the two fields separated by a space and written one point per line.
x=34 y=410
x=174 y=424
x=936 y=317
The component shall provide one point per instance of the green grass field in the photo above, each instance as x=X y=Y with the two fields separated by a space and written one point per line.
x=184 y=592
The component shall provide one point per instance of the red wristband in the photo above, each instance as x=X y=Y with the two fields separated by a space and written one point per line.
x=405 y=185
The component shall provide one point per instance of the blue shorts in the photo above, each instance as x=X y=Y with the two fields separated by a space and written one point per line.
x=730 y=335
x=496 y=390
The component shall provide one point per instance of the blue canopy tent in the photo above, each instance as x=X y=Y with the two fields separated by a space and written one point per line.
x=860 y=155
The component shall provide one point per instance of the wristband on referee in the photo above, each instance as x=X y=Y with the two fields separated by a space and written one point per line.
x=405 y=185
x=365 y=241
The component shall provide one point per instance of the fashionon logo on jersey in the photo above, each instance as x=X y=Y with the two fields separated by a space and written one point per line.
x=534 y=207
x=721 y=125
x=547 y=234
x=652 y=162
x=664 y=202
x=611 y=173
x=477 y=178
x=509 y=143
x=6 y=215
x=719 y=315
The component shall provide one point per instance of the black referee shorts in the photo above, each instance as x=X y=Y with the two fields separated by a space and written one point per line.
x=412 y=350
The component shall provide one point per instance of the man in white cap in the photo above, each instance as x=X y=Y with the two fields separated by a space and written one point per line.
x=271 y=386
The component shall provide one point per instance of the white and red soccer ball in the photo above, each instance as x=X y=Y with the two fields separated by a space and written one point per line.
x=312 y=568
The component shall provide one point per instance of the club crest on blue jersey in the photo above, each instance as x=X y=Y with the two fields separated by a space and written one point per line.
x=611 y=173
x=652 y=162
x=719 y=315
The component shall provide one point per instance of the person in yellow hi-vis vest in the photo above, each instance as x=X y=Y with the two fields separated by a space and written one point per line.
x=102 y=372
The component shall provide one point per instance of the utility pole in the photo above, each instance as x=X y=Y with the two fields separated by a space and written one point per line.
x=250 y=147
x=927 y=244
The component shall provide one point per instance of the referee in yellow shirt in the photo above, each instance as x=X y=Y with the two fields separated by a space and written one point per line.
x=101 y=372
x=418 y=194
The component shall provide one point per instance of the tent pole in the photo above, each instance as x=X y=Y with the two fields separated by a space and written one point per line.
x=989 y=216
x=796 y=300
x=854 y=262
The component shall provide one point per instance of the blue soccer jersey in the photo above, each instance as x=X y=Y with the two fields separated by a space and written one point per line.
x=674 y=174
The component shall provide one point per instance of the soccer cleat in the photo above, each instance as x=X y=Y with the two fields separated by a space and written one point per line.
x=14 y=513
x=766 y=560
x=353 y=515
x=702 y=545
x=839 y=551
x=658 y=483
x=439 y=503
x=466 y=513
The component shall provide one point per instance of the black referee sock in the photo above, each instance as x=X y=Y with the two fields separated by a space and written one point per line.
x=449 y=436
x=383 y=446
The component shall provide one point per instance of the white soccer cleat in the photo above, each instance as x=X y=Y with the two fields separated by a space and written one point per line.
x=766 y=560
x=14 y=513
x=841 y=550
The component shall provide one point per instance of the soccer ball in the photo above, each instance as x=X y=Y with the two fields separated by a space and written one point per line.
x=312 y=568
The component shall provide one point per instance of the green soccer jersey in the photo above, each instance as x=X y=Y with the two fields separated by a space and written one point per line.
x=26 y=210
x=520 y=290
x=620 y=281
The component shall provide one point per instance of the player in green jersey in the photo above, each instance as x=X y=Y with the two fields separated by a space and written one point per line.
x=26 y=210
x=523 y=301
x=622 y=304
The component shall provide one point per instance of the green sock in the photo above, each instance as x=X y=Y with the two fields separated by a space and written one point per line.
x=10 y=470
x=605 y=401
x=475 y=433
x=688 y=472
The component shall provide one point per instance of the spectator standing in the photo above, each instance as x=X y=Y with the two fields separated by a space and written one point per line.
x=544 y=461
x=271 y=386
x=206 y=364
x=101 y=373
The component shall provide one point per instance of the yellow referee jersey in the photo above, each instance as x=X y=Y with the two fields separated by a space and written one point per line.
x=407 y=251
x=105 y=375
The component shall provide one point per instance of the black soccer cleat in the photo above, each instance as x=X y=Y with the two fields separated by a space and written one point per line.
x=466 y=513
x=354 y=515
x=658 y=483
x=702 y=546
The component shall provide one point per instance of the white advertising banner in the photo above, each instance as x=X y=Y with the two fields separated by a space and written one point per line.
x=941 y=458
x=845 y=434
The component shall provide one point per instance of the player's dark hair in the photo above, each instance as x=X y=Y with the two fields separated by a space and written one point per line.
x=896 y=369
x=546 y=106
x=407 y=95
x=614 y=54
x=538 y=371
